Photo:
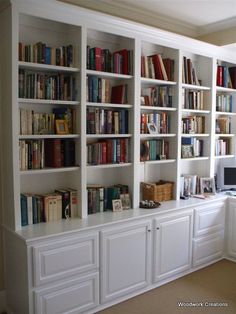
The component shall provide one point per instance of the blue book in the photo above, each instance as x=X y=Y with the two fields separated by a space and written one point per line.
x=47 y=55
x=187 y=141
x=35 y=210
x=24 y=211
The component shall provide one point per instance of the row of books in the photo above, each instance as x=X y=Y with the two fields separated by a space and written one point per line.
x=193 y=124
x=40 y=154
x=189 y=73
x=110 y=151
x=120 y=62
x=48 y=207
x=226 y=76
x=46 y=86
x=100 y=198
x=105 y=121
x=154 y=150
x=192 y=99
x=222 y=146
x=41 y=53
x=160 y=119
x=195 y=145
x=155 y=67
x=189 y=185
x=100 y=90
x=223 y=125
x=158 y=96
x=224 y=102
x=31 y=122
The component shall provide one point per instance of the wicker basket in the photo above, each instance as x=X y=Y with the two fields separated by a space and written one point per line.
x=157 y=192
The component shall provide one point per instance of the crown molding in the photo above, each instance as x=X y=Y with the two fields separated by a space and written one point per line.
x=147 y=17
x=217 y=26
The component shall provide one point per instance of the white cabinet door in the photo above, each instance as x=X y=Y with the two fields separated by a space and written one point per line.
x=70 y=297
x=172 y=245
x=209 y=219
x=125 y=259
x=231 y=232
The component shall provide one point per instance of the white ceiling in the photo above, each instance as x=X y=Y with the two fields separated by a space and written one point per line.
x=187 y=17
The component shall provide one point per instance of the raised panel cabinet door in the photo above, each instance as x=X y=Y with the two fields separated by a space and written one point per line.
x=172 y=245
x=71 y=297
x=125 y=259
x=231 y=232
x=63 y=258
x=209 y=219
x=207 y=249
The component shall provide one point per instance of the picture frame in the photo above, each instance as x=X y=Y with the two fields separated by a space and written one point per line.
x=117 y=205
x=125 y=201
x=187 y=151
x=152 y=128
x=61 y=127
x=207 y=185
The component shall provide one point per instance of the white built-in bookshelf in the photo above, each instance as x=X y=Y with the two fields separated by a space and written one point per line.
x=183 y=103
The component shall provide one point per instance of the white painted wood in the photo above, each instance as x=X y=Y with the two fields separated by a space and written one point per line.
x=45 y=101
x=148 y=81
x=106 y=105
x=195 y=111
x=231 y=229
x=109 y=75
x=125 y=259
x=76 y=295
x=48 y=170
x=76 y=255
x=209 y=219
x=45 y=67
x=195 y=87
x=208 y=248
x=172 y=245
x=157 y=108
x=22 y=137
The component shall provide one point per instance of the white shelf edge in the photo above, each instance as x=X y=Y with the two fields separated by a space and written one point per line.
x=225 y=89
x=108 y=74
x=46 y=67
x=224 y=156
x=48 y=136
x=225 y=113
x=157 y=82
x=194 y=158
x=104 y=166
x=196 y=111
x=154 y=162
x=48 y=170
x=108 y=135
x=158 y=108
x=195 y=135
x=157 y=135
x=195 y=87
x=47 y=101
x=224 y=135
x=108 y=105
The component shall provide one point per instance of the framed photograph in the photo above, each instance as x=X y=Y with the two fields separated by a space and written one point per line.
x=207 y=185
x=152 y=128
x=117 y=205
x=125 y=201
x=61 y=127
x=187 y=151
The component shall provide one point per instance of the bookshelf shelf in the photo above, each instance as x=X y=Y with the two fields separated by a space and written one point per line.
x=195 y=159
x=49 y=170
x=158 y=162
x=225 y=89
x=109 y=75
x=106 y=166
x=195 y=87
x=224 y=135
x=48 y=136
x=143 y=136
x=224 y=156
x=47 y=102
x=154 y=108
x=195 y=135
x=196 y=111
x=149 y=81
x=46 y=67
x=91 y=136
x=106 y=105
x=225 y=113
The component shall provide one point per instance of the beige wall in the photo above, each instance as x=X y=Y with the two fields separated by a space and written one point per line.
x=221 y=38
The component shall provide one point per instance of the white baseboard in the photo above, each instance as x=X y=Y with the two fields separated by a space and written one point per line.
x=2 y=301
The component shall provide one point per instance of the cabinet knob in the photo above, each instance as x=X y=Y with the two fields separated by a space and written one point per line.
x=149 y=230
x=158 y=228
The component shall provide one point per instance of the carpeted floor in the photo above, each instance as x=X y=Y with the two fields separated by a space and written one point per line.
x=214 y=284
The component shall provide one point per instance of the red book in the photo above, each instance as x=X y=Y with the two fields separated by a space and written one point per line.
x=53 y=153
x=124 y=62
x=104 y=152
x=117 y=94
x=109 y=151
x=232 y=73
x=97 y=57
x=157 y=67
x=219 y=79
